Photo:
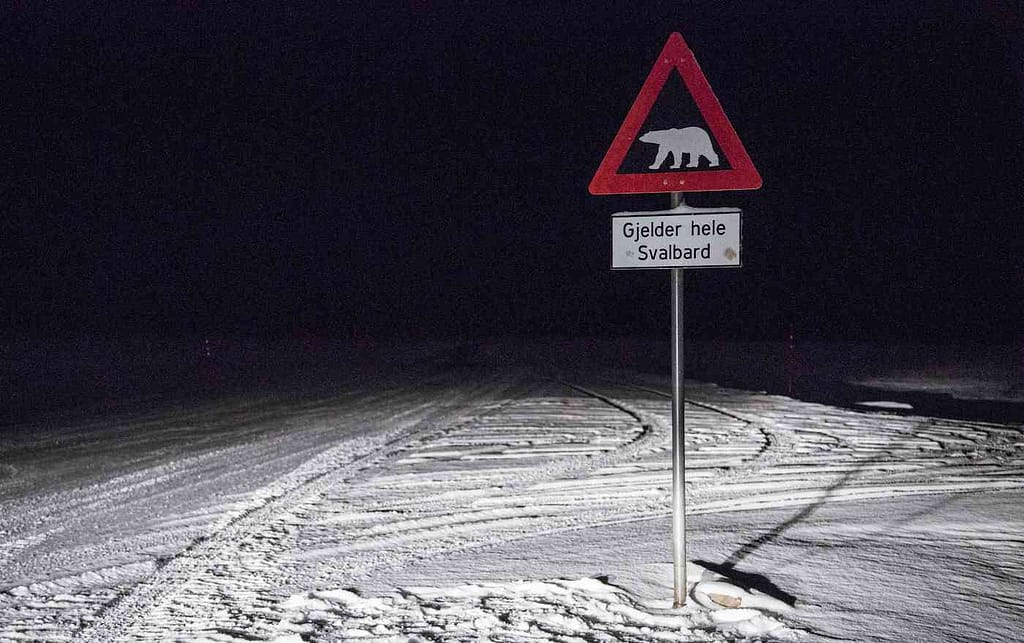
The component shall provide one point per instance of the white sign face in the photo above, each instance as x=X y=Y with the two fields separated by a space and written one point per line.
x=668 y=240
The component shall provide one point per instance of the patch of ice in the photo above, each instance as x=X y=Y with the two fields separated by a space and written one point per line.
x=886 y=404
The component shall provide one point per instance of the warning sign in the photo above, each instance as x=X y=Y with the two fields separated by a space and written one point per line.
x=675 y=138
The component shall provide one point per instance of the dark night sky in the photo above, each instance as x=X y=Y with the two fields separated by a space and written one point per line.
x=422 y=167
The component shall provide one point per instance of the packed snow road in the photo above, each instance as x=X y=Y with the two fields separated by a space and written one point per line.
x=449 y=505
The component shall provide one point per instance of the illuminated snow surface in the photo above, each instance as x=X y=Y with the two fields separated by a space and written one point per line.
x=476 y=504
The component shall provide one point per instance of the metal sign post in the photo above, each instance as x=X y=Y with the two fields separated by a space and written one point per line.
x=678 y=433
x=697 y=130
x=677 y=239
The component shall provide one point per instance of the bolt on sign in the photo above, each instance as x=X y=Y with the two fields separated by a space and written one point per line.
x=675 y=138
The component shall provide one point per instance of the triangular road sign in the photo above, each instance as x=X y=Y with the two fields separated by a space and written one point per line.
x=675 y=138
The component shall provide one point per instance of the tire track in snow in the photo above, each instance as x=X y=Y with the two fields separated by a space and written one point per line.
x=818 y=456
x=518 y=470
x=497 y=519
x=417 y=525
x=513 y=514
x=73 y=537
x=154 y=474
x=776 y=439
x=799 y=458
x=781 y=446
x=216 y=596
x=204 y=556
x=868 y=455
x=840 y=455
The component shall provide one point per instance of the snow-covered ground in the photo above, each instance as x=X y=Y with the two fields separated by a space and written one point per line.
x=472 y=502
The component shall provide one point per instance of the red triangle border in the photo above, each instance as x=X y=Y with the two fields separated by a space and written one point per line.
x=742 y=175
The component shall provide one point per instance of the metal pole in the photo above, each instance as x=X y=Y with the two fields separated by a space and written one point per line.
x=678 y=432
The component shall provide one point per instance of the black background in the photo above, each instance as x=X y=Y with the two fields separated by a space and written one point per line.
x=420 y=168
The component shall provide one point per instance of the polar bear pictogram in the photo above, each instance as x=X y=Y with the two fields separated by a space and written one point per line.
x=692 y=141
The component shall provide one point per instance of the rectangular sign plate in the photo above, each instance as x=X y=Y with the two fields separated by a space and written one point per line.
x=643 y=240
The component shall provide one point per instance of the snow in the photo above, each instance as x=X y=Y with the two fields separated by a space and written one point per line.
x=510 y=504
x=584 y=609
